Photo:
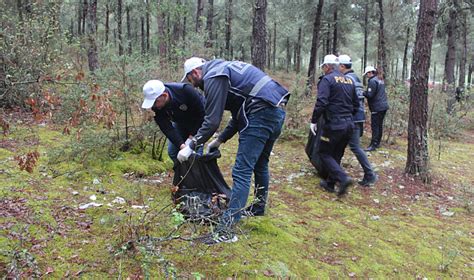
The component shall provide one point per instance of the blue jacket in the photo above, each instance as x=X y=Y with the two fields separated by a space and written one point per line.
x=185 y=108
x=240 y=88
x=337 y=100
x=376 y=96
x=359 y=116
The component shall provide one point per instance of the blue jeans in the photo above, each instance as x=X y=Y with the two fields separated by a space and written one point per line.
x=354 y=144
x=253 y=154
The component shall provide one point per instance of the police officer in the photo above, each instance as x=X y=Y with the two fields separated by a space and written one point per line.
x=179 y=111
x=378 y=105
x=345 y=65
x=337 y=101
x=256 y=103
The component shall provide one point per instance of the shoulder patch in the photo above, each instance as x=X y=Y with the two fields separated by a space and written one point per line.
x=183 y=107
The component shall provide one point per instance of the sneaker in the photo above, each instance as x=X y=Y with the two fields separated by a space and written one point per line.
x=222 y=237
x=329 y=187
x=370 y=148
x=344 y=186
x=249 y=212
x=368 y=181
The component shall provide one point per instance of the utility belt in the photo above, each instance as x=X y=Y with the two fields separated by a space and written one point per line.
x=337 y=117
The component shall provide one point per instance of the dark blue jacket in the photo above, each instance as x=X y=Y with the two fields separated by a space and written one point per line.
x=376 y=96
x=360 y=115
x=337 y=100
x=185 y=108
x=240 y=88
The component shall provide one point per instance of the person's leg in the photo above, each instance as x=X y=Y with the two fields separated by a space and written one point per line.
x=381 y=117
x=329 y=143
x=375 y=129
x=354 y=144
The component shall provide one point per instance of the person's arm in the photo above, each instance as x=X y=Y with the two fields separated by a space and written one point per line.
x=229 y=131
x=355 y=101
x=167 y=128
x=216 y=90
x=322 y=101
x=371 y=89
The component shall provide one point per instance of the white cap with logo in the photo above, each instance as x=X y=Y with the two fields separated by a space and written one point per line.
x=329 y=59
x=344 y=59
x=191 y=64
x=369 y=69
x=152 y=90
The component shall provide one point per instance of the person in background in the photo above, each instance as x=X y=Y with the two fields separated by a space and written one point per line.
x=345 y=67
x=378 y=105
x=337 y=102
x=179 y=111
x=256 y=103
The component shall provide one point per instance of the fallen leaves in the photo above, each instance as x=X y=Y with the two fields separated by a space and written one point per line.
x=28 y=161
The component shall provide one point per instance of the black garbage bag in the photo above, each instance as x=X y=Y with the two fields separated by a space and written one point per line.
x=312 y=147
x=201 y=192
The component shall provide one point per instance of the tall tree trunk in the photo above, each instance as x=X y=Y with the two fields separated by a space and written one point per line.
x=129 y=30
x=405 y=56
x=450 y=59
x=334 y=36
x=274 y=45
x=417 y=153
x=19 y=6
x=84 y=15
x=147 y=15
x=434 y=74
x=79 y=17
x=119 y=26
x=142 y=29
x=366 y=33
x=382 y=57
x=328 y=39
x=161 y=17
x=288 y=54
x=314 y=48
x=463 y=59
x=184 y=30
x=91 y=32
x=298 y=52
x=210 y=20
x=107 y=28
x=269 y=51
x=199 y=12
x=259 y=34
x=228 y=28
x=469 y=74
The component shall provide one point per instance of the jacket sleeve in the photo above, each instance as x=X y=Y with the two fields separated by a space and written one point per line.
x=355 y=102
x=195 y=101
x=229 y=131
x=322 y=101
x=216 y=90
x=371 y=89
x=167 y=128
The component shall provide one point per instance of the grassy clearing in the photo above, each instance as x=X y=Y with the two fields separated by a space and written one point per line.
x=399 y=229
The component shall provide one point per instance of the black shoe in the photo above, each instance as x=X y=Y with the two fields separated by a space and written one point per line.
x=222 y=237
x=250 y=211
x=370 y=148
x=327 y=186
x=367 y=181
x=344 y=186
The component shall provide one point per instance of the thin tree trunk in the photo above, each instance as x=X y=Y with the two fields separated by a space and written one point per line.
x=147 y=15
x=119 y=26
x=469 y=74
x=228 y=28
x=463 y=60
x=259 y=34
x=434 y=74
x=450 y=59
x=405 y=56
x=381 y=57
x=334 y=36
x=142 y=29
x=91 y=30
x=328 y=38
x=129 y=32
x=79 y=17
x=161 y=17
x=210 y=20
x=199 y=12
x=274 y=45
x=288 y=54
x=107 y=28
x=314 y=48
x=396 y=69
x=298 y=52
x=417 y=154
x=84 y=16
x=366 y=33
x=269 y=51
x=19 y=6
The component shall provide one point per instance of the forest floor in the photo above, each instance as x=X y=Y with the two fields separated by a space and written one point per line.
x=400 y=228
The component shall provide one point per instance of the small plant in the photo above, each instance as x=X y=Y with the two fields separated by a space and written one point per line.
x=448 y=255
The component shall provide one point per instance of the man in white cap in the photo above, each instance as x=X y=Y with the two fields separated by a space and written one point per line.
x=337 y=102
x=256 y=103
x=378 y=105
x=179 y=111
x=345 y=67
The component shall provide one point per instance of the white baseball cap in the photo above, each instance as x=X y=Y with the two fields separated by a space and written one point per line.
x=329 y=59
x=344 y=59
x=152 y=90
x=369 y=69
x=191 y=64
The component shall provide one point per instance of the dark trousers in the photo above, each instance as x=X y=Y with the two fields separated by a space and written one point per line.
x=331 y=150
x=377 y=128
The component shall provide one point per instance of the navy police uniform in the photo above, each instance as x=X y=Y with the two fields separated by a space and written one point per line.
x=378 y=105
x=337 y=102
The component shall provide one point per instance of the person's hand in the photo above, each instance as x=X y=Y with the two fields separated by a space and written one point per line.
x=188 y=141
x=313 y=127
x=184 y=154
x=213 y=145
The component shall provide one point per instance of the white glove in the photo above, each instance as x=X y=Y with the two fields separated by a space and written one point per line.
x=184 y=154
x=213 y=145
x=188 y=141
x=313 y=127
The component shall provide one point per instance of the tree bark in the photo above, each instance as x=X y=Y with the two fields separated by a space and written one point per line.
x=381 y=57
x=328 y=39
x=79 y=17
x=450 y=58
x=405 y=56
x=228 y=28
x=210 y=20
x=311 y=82
x=417 y=154
x=366 y=34
x=119 y=26
x=161 y=17
x=298 y=52
x=147 y=15
x=91 y=32
x=463 y=59
x=107 y=28
x=269 y=51
x=288 y=54
x=199 y=12
x=259 y=34
x=274 y=45
x=84 y=15
x=129 y=30
x=334 y=34
x=142 y=33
